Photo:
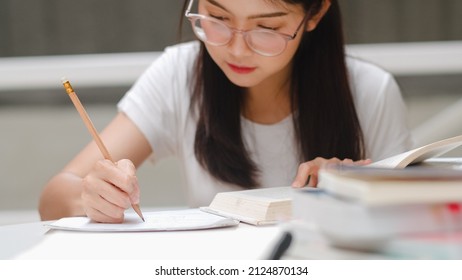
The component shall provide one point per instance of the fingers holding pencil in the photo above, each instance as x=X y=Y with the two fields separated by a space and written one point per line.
x=109 y=189
x=134 y=196
x=130 y=180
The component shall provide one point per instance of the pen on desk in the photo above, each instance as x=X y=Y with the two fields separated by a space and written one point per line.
x=281 y=247
x=94 y=133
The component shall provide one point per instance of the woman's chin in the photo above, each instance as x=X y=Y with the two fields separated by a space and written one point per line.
x=241 y=81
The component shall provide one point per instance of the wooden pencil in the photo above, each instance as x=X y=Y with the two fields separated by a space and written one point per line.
x=91 y=128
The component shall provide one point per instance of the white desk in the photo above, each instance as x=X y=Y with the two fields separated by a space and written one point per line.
x=35 y=241
x=18 y=238
x=234 y=248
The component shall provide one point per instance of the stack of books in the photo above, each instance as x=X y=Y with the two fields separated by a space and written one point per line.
x=389 y=207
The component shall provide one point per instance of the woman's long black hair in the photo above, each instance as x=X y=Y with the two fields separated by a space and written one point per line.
x=325 y=121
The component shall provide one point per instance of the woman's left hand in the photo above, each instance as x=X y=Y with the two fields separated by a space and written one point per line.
x=307 y=173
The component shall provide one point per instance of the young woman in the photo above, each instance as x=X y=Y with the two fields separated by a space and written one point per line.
x=264 y=99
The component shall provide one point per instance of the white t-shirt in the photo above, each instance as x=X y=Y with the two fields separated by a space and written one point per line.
x=159 y=101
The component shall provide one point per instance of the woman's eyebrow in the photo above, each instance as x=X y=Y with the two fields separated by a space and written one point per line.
x=268 y=15
x=213 y=2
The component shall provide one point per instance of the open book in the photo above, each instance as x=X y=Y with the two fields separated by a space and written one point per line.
x=420 y=154
x=256 y=206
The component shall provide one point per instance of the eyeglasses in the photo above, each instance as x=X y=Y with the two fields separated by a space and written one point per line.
x=216 y=33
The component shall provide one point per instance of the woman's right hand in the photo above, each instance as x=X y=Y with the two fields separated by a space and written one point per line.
x=109 y=189
x=307 y=173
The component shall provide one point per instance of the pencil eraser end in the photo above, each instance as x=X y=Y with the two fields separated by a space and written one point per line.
x=67 y=85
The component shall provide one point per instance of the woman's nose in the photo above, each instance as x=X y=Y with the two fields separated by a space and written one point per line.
x=238 y=45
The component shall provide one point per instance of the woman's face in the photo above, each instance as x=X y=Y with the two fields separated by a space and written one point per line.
x=241 y=64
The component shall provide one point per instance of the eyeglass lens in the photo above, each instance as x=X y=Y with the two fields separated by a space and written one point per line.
x=214 y=32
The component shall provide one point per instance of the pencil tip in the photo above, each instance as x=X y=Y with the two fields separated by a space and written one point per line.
x=64 y=80
x=137 y=209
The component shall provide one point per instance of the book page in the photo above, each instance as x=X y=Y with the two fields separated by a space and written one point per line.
x=420 y=154
x=187 y=219
x=256 y=206
x=392 y=162
x=269 y=194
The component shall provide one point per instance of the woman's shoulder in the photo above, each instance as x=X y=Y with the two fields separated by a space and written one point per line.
x=183 y=50
x=368 y=79
x=175 y=63
x=178 y=60
x=359 y=68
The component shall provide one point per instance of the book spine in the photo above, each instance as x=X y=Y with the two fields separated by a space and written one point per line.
x=346 y=219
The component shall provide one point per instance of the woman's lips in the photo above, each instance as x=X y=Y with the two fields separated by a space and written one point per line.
x=241 y=69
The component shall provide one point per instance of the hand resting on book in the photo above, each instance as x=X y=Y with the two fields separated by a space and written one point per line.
x=307 y=173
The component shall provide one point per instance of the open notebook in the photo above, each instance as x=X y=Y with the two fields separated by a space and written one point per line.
x=173 y=220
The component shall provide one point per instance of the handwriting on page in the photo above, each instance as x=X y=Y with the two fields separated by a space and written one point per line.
x=187 y=219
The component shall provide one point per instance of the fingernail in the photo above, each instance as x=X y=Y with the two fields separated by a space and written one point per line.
x=296 y=185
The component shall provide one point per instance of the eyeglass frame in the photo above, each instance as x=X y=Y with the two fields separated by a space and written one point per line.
x=286 y=37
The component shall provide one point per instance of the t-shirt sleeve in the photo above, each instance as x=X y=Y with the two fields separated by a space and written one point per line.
x=155 y=102
x=389 y=130
x=381 y=111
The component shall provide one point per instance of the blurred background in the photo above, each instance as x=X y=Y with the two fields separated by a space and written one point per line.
x=103 y=45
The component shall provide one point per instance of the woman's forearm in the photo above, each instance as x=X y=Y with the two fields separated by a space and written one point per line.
x=61 y=197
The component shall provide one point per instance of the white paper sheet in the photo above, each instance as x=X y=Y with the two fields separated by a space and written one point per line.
x=241 y=242
x=185 y=219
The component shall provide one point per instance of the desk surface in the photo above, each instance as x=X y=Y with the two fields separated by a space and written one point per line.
x=244 y=242
x=36 y=241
